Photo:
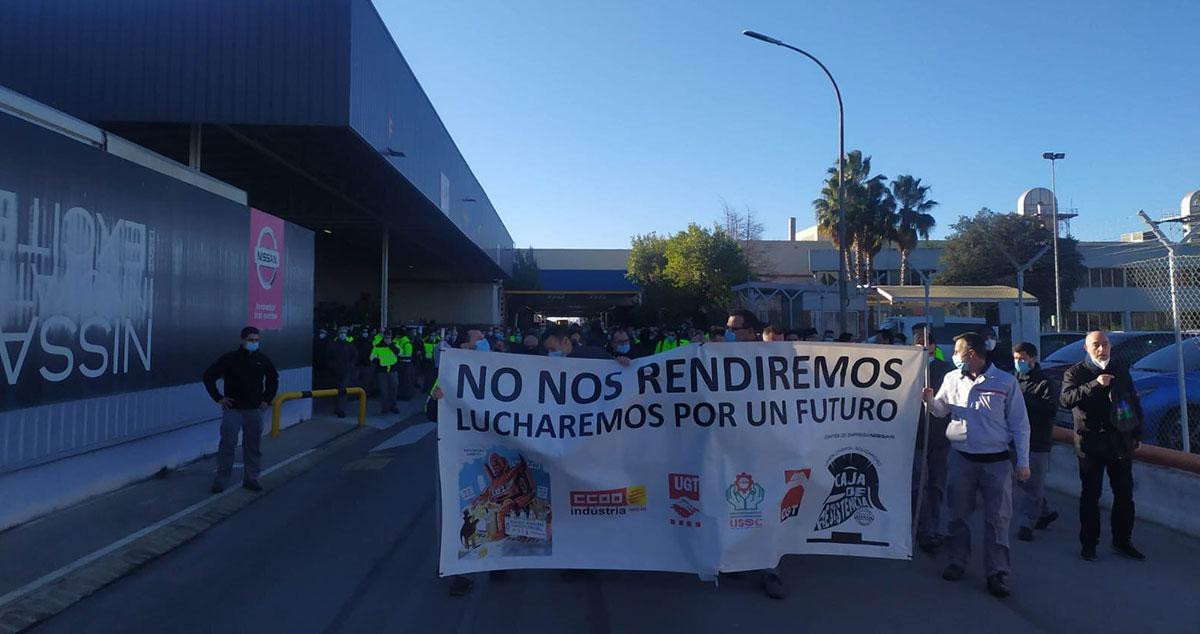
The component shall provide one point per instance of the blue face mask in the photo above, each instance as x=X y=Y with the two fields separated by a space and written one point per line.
x=959 y=363
x=623 y=348
x=251 y=346
x=556 y=353
x=730 y=335
x=482 y=345
x=1022 y=367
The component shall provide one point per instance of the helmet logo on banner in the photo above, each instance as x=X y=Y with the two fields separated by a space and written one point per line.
x=855 y=492
x=266 y=257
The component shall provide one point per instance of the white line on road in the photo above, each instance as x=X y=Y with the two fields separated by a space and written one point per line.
x=407 y=437
x=38 y=583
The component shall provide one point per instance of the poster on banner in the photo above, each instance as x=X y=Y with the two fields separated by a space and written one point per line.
x=716 y=457
x=266 y=271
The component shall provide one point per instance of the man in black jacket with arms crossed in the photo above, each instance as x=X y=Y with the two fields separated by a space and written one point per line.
x=1108 y=429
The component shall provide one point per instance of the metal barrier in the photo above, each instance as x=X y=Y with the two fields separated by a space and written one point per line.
x=277 y=404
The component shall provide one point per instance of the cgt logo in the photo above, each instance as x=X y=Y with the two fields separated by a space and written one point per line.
x=266 y=257
x=608 y=502
x=684 y=492
x=789 y=507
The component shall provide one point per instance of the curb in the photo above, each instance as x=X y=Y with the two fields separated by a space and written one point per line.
x=55 y=597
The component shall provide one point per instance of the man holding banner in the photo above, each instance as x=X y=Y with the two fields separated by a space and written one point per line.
x=987 y=413
x=704 y=459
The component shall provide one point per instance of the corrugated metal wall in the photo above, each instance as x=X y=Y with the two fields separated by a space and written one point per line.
x=231 y=61
x=388 y=108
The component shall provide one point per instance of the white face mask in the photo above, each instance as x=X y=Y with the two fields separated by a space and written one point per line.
x=990 y=344
x=1100 y=363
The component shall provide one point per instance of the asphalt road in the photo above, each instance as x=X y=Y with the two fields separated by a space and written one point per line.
x=350 y=546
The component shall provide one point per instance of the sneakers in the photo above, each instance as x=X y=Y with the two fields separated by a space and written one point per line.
x=1046 y=520
x=1088 y=553
x=252 y=485
x=1129 y=551
x=772 y=584
x=1025 y=534
x=953 y=572
x=217 y=487
x=460 y=585
x=996 y=585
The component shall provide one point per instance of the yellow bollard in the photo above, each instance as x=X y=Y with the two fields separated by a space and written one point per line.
x=277 y=404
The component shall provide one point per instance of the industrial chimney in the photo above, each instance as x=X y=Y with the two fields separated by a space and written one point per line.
x=791 y=229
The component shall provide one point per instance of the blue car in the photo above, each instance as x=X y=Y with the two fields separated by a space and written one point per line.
x=1156 y=380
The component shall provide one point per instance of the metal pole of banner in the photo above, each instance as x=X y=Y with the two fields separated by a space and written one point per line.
x=924 y=479
x=1185 y=426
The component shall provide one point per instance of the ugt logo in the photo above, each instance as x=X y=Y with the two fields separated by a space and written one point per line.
x=684 y=489
x=745 y=496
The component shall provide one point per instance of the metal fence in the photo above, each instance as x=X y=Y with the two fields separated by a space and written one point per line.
x=1173 y=285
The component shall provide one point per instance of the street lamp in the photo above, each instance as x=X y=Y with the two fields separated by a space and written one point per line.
x=843 y=300
x=1052 y=157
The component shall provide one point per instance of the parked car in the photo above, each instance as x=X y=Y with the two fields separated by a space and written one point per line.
x=1128 y=347
x=1050 y=342
x=1156 y=380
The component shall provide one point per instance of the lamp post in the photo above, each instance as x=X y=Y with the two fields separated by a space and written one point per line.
x=1052 y=157
x=843 y=299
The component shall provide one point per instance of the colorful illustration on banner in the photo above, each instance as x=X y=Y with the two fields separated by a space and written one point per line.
x=684 y=492
x=745 y=496
x=504 y=500
x=854 y=495
x=608 y=502
x=794 y=479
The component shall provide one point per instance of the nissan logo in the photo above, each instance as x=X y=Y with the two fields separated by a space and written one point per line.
x=266 y=257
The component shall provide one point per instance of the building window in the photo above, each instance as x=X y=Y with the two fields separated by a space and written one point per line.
x=1150 y=320
x=1088 y=321
x=1105 y=278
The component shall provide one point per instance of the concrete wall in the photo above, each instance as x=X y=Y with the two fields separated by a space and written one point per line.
x=1162 y=495
x=36 y=490
x=445 y=302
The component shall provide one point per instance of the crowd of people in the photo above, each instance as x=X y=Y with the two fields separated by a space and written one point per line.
x=991 y=419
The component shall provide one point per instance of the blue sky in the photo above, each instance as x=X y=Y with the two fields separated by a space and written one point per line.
x=588 y=122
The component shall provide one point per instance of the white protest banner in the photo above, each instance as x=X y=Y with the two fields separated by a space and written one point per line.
x=714 y=457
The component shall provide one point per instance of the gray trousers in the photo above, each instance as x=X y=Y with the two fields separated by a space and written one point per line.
x=929 y=516
x=993 y=480
x=388 y=382
x=249 y=422
x=1030 y=495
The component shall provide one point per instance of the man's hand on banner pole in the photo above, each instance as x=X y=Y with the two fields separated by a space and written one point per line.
x=624 y=361
x=927 y=394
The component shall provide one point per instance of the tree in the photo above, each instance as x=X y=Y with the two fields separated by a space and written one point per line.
x=687 y=274
x=526 y=275
x=869 y=213
x=741 y=225
x=975 y=255
x=913 y=219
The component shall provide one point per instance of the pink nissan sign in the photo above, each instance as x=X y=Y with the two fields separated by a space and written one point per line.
x=266 y=270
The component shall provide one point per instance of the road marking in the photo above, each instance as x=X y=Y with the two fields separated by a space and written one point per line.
x=409 y=436
x=46 y=579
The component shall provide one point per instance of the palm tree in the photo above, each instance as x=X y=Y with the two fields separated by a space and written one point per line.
x=913 y=219
x=877 y=227
x=869 y=210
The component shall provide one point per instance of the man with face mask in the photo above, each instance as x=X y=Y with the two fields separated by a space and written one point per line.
x=343 y=358
x=928 y=517
x=558 y=343
x=987 y=414
x=1108 y=429
x=362 y=349
x=386 y=357
x=250 y=383
x=668 y=342
x=621 y=346
x=1041 y=401
x=995 y=356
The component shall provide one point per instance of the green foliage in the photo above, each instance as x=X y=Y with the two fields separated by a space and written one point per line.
x=975 y=255
x=687 y=274
x=525 y=272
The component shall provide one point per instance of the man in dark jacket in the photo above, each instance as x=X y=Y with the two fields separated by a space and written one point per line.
x=1041 y=402
x=342 y=359
x=929 y=516
x=250 y=383
x=1108 y=429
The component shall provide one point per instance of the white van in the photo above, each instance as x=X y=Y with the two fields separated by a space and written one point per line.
x=944 y=334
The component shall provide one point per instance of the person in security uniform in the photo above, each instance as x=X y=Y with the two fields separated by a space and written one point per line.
x=404 y=350
x=386 y=357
